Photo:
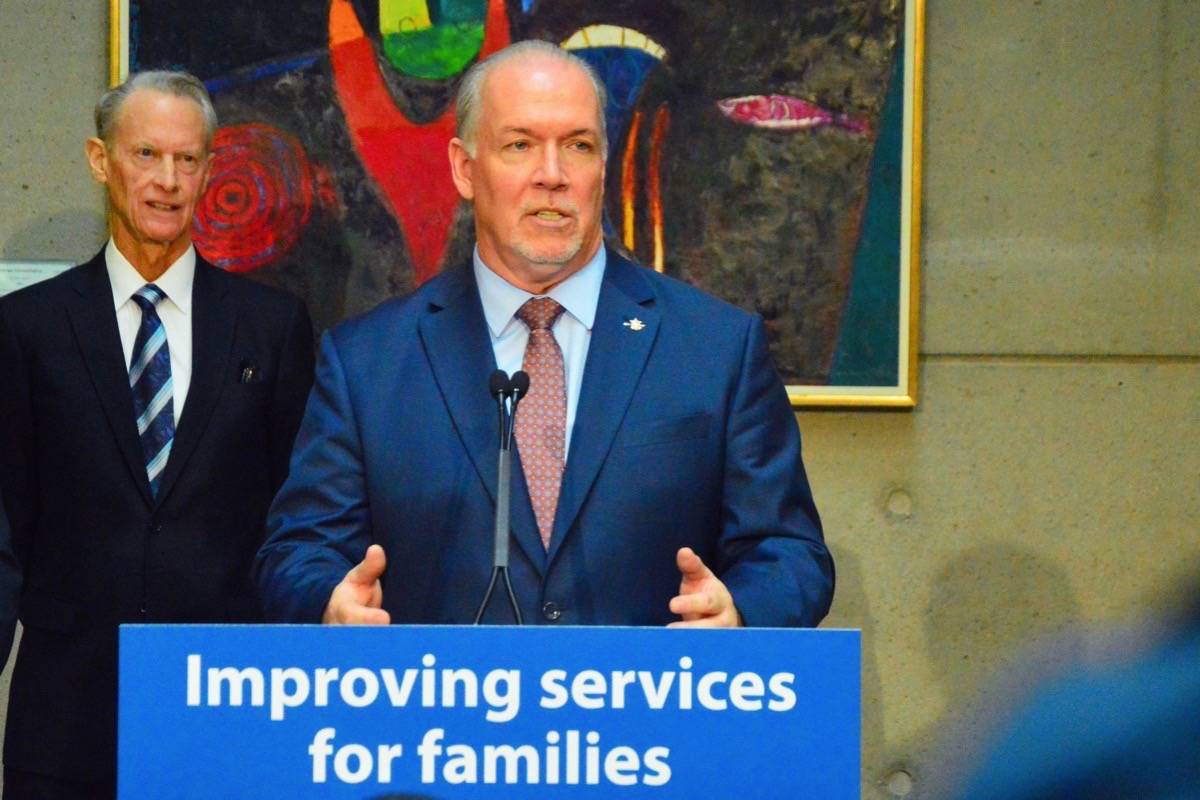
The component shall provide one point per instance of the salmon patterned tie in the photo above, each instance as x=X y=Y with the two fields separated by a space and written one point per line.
x=542 y=423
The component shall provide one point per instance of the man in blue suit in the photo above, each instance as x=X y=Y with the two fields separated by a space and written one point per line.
x=658 y=476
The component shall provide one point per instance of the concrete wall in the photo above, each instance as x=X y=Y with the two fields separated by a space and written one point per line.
x=54 y=63
x=1048 y=477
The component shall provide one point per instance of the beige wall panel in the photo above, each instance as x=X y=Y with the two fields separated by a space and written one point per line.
x=54 y=59
x=1018 y=500
x=1059 y=163
x=1181 y=173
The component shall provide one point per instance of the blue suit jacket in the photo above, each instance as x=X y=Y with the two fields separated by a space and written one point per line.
x=683 y=436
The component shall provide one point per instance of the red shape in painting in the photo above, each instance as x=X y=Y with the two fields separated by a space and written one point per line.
x=259 y=198
x=407 y=161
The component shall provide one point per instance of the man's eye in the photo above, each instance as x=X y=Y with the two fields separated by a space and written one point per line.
x=519 y=145
x=144 y=152
x=581 y=147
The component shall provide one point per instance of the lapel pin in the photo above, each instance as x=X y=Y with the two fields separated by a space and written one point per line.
x=634 y=324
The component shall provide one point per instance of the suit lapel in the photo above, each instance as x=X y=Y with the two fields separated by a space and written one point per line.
x=617 y=355
x=94 y=323
x=458 y=347
x=214 y=322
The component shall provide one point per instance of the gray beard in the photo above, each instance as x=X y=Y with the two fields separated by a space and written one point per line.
x=559 y=258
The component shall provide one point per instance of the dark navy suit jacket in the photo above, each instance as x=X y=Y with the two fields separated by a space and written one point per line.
x=96 y=548
x=683 y=436
x=10 y=587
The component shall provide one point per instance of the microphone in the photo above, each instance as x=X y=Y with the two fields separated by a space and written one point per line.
x=519 y=385
x=499 y=384
x=508 y=394
x=500 y=387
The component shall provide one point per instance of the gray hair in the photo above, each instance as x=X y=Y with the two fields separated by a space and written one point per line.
x=470 y=91
x=177 y=84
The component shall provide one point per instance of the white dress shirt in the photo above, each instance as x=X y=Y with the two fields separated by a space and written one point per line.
x=578 y=295
x=175 y=311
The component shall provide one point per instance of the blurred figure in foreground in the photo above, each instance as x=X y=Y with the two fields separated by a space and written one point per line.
x=1125 y=728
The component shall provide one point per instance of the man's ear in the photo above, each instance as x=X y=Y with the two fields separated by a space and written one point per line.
x=208 y=162
x=97 y=157
x=461 y=169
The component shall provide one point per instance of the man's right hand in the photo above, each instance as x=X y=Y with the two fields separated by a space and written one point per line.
x=358 y=599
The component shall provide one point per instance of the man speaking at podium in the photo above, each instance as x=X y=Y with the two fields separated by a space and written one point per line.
x=658 y=475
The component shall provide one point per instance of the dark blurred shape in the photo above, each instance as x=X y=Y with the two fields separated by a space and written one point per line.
x=1128 y=728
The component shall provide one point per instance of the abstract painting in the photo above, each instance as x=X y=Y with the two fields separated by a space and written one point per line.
x=767 y=153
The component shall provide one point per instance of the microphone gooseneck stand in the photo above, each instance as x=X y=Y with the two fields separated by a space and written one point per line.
x=508 y=393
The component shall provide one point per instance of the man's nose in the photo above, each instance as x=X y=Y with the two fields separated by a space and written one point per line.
x=550 y=173
x=165 y=174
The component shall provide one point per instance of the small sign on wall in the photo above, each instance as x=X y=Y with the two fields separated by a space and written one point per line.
x=18 y=274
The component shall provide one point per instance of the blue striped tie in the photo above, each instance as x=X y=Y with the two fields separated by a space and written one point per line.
x=150 y=380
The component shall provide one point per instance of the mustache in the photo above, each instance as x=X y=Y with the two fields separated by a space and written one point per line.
x=563 y=207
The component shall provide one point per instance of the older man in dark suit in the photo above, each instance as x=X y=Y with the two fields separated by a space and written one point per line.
x=658 y=476
x=150 y=402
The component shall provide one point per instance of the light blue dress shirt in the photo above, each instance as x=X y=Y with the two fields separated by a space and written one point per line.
x=578 y=295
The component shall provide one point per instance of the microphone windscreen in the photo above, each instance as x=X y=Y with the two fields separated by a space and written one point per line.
x=520 y=383
x=499 y=383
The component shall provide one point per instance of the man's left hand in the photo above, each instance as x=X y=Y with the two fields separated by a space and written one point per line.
x=703 y=600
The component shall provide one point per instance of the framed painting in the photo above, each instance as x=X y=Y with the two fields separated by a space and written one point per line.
x=768 y=153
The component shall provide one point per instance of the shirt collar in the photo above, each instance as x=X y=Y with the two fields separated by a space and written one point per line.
x=578 y=295
x=176 y=282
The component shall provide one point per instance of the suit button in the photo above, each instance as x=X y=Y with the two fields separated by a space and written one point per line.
x=551 y=611
x=156 y=527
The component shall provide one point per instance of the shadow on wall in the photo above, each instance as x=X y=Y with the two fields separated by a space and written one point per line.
x=75 y=235
x=990 y=607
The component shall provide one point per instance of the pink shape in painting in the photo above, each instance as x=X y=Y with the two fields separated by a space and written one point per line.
x=786 y=113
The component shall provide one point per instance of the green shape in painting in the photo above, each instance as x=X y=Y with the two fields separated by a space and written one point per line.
x=868 y=349
x=431 y=38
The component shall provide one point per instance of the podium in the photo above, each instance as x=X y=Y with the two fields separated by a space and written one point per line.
x=296 y=711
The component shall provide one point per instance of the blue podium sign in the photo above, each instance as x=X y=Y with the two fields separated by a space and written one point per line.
x=443 y=712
